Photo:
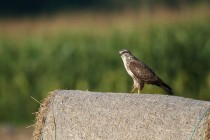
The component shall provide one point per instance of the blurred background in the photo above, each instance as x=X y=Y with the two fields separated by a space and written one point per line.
x=61 y=44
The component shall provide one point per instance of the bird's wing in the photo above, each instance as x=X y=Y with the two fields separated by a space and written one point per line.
x=143 y=72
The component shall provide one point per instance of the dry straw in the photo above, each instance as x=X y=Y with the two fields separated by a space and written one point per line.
x=41 y=116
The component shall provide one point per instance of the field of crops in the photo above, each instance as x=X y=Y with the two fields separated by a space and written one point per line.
x=80 y=51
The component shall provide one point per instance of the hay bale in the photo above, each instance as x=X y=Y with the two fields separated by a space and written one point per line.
x=69 y=114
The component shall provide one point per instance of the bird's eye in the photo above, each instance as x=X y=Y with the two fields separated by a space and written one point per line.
x=124 y=52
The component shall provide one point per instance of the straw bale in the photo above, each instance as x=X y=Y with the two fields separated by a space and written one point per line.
x=73 y=114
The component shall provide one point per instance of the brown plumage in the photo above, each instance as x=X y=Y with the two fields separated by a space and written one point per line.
x=141 y=73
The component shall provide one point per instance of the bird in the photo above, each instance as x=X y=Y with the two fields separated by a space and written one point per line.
x=141 y=73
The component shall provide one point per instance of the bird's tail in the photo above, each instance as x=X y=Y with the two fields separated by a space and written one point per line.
x=165 y=87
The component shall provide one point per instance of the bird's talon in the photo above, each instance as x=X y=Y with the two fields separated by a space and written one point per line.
x=132 y=90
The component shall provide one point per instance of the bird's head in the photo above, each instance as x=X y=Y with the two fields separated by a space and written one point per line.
x=124 y=53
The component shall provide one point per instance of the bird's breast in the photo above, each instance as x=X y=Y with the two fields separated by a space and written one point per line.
x=126 y=64
x=129 y=72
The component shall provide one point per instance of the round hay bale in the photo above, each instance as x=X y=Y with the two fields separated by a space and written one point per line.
x=72 y=114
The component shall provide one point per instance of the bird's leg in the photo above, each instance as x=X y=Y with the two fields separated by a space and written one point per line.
x=133 y=89
x=141 y=87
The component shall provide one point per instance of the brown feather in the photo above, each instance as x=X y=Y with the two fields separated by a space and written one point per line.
x=146 y=75
x=143 y=72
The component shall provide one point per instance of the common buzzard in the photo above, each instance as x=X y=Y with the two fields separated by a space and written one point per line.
x=141 y=73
